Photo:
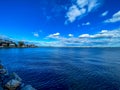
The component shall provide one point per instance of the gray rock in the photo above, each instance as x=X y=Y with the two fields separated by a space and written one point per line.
x=16 y=77
x=12 y=84
x=1 y=66
x=3 y=71
x=28 y=87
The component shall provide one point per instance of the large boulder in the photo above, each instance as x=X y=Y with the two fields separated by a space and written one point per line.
x=12 y=84
x=28 y=87
x=16 y=77
x=3 y=71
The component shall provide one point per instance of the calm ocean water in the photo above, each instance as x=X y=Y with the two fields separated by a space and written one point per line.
x=65 y=68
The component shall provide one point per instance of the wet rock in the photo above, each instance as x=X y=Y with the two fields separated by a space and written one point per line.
x=1 y=66
x=3 y=71
x=12 y=84
x=28 y=87
x=11 y=81
x=16 y=77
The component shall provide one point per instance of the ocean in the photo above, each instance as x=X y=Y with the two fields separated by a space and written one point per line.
x=65 y=68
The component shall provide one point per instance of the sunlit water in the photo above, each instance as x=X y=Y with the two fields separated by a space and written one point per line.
x=65 y=68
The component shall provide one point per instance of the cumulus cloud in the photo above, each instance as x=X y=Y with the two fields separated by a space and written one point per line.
x=104 y=13
x=86 y=24
x=54 y=36
x=114 y=18
x=36 y=34
x=93 y=5
x=80 y=9
x=103 y=34
x=74 y=12
x=84 y=36
x=104 y=38
x=70 y=35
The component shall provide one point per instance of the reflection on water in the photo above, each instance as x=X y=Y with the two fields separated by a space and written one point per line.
x=65 y=68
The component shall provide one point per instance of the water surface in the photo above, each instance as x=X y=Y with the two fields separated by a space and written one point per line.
x=65 y=68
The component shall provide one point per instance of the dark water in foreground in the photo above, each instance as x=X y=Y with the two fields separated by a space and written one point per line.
x=65 y=68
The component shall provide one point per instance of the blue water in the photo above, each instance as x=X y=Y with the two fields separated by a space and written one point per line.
x=65 y=68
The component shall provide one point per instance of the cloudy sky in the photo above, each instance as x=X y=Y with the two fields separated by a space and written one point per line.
x=62 y=22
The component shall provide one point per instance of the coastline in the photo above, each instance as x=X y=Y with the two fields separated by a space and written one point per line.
x=55 y=47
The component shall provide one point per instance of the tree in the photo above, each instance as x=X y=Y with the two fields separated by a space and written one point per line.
x=21 y=43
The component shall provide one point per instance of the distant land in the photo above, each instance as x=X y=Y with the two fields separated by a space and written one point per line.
x=12 y=44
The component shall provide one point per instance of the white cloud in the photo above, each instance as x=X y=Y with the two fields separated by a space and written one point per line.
x=36 y=34
x=86 y=24
x=104 y=13
x=104 y=31
x=103 y=34
x=84 y=36
x=114 y=18
x=74 y=12
x=90 y=4
x=82 y=3
x=104 y=38
x=54 y=36
x=81 y=8
x=70 y=35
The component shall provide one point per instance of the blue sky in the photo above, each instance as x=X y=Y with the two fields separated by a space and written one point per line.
x=62 y=22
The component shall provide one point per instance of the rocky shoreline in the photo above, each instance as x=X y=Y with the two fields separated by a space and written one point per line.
x=11 y=81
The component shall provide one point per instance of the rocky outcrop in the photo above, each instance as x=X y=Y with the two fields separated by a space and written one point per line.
x=12 y=84
x=12 y=81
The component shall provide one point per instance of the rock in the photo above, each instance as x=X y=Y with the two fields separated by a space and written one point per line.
x=11 y=81
x=1 y=66
x=16 y=77
x=12 y=84
x=3 y=71
x=28 y=87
